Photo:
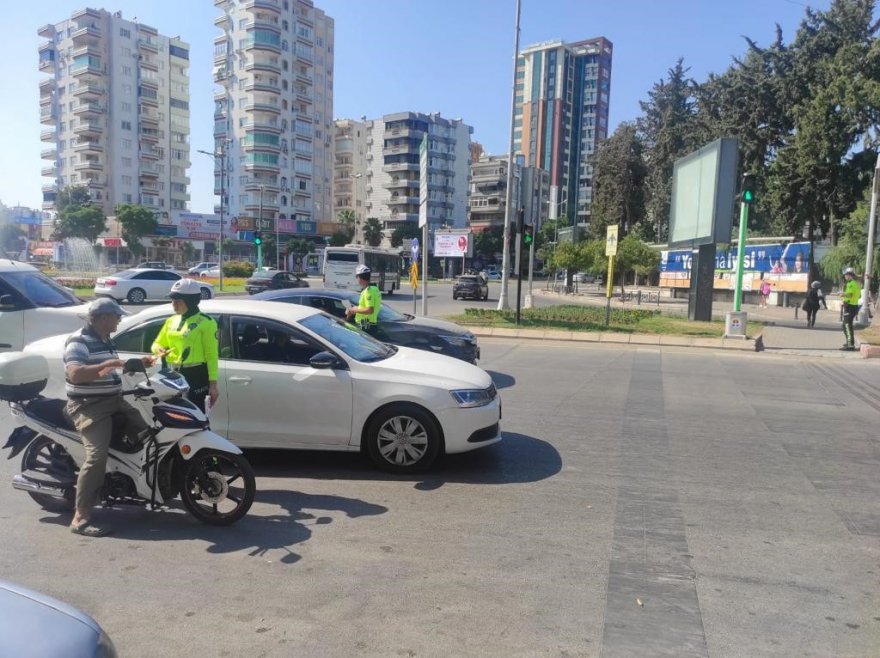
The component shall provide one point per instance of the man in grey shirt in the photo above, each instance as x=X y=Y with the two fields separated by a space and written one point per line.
x=93 y=391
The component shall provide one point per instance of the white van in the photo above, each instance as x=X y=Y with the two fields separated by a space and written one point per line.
x=33 y=306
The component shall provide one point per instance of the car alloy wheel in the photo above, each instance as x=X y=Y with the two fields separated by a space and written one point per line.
x=206 y=293
x=136 y=296
x=403 y=438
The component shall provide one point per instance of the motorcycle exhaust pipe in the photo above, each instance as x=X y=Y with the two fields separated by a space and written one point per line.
x=23 y=484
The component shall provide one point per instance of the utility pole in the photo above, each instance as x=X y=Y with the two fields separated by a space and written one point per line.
x=220 y=155
x=259 y=228
x=505 y=259
x=864 y=313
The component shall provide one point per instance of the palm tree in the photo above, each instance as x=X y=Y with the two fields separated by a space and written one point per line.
x=348 y=219
x=300 y=247
x=373 y=231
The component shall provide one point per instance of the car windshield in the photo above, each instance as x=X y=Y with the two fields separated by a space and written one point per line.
x=346 y=338
x=386 y=313
x=467 y=279
x=40 y=289
x=263 y=275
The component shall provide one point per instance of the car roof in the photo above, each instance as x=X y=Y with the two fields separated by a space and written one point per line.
x=136 y=270
x=306 y=292
x=280 y=312
x=8 y=265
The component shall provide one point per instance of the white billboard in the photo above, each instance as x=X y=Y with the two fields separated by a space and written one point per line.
x=453 y=245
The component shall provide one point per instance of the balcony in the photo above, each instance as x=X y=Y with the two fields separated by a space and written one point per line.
x=263 y=24
x=89 y=90
x=255 y=106
x=149 y=116
x=47 y=64
x=48 y=116
x=223 y=21
x=274 y=168
x=149 y=100
x=48 y=172
x=89 y=49
x=268 y=185
x=149 y=170
x=89 y=128
x=149 y=64
x=263 y=65
x=405 y=132
x=304 y=77
x=87 y=70
x=400 y=166
x=153 y=83
x=48 y=204
x=150 y=153
x=270 y=46
x=89 y=165
x=149 y=188
x=49 y=154
x=484 y=210
x=86 y=14
x=88 y=147
x=46 y=101
x=267 y=204
x=149 y=135
x=402 y=184
x=404 y=217
x=403 y=201
x=48 y=135
x=262 y=126
x=47 y=87
x=304 y=56
x=303 y=93
x=220 y=74
x=89 y=34
x=47 y=31
x=147 y=44
x=88 y=110
x=262 y=85
x=255 y=5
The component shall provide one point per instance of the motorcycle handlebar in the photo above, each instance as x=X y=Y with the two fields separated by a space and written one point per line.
x=138 y=391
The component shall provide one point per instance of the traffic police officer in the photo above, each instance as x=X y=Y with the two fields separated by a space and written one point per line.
x=852 y=296
x=366 y=313
x=192 y=329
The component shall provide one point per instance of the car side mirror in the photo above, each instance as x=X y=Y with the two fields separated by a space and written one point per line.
x=323 y=361
x=134 y=365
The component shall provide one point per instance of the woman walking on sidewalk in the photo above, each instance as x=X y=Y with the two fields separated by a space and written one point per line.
x=815 y=297
x=765 y=293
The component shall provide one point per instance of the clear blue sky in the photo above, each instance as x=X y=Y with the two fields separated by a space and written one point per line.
x=452 y=56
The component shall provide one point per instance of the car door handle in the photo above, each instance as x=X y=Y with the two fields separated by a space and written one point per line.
x=243 y=380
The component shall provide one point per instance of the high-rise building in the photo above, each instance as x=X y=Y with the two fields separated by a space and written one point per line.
x=488 y=198
x=562 y=97
x=273 y=115
x=115 y=110
x=393 y=169
x=350 y=168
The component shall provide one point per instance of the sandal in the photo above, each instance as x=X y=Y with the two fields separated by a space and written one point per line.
x=90 y=529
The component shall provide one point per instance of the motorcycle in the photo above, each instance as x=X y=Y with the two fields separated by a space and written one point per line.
x=177 y=455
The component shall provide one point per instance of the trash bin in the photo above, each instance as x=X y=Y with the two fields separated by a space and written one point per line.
x=735 y=324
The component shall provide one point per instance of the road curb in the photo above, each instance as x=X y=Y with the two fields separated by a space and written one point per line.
x=654 y=340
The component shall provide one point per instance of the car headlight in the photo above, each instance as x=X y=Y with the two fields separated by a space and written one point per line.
x=468 y=398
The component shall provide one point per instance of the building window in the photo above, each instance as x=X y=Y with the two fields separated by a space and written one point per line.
x=126 y=125
x=124 y=33
x=126 y=70
x=126 y=180
x=126 y=107
x=126 y=162
x=126 y=144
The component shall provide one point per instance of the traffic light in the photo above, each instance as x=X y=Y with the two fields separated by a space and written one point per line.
x=528 y=234
x=520 y=218
x=748 y=188
x=258 y=238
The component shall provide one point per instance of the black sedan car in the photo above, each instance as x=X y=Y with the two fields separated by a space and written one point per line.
x=273 y=280
x=393 y=327
x=471 y=286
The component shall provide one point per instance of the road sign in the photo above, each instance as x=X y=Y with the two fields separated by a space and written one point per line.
x=414 y=248
x=611 y=240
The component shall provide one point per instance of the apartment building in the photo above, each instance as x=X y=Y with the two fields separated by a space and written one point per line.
x=393 y=172
x=562 y=102
x=115 y=111
x=273 y=113
x=350 y=168
x=488 y=194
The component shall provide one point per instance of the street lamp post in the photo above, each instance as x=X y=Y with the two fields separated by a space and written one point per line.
x=259 y=227
x=221 y=155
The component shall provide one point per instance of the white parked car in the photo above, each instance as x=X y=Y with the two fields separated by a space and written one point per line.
x=33 y=306
x=137 y=286
x=197 y=270
x=294 y=377
x=211 y=273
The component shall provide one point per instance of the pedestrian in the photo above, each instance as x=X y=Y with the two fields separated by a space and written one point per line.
x=765 y=293
x=192 y=332
x=366 y=313
x=93 y=388
x=815 y=298
x=852 y=295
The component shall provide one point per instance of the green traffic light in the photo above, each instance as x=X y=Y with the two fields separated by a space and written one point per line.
x=748 y=196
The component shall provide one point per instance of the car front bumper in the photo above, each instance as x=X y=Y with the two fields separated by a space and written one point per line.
x=469 y=429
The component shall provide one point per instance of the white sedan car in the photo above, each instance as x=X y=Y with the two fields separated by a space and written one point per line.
x=294 y=377
x=139 y=285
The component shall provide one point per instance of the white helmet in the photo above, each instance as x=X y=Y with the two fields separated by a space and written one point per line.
x=185 y=288
x=849 y=270
x=362 y=270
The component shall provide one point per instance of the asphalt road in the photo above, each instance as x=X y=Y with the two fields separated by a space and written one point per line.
x=643 y=503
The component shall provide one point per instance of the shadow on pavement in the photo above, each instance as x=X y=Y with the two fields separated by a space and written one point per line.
x=516 y=459
x=501 y=379
x=255 y=534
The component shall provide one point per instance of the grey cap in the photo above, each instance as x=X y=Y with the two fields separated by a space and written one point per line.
x=106 y=306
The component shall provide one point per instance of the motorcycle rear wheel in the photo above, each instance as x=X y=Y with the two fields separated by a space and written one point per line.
x=44 y=455
x=217 y=488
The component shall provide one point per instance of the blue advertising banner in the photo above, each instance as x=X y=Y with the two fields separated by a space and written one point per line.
x=307 y=227
x=791 y=258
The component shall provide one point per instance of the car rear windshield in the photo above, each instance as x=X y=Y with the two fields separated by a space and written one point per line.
x=263 y=275
x=40 y=290
x=467 y=279
x=346 y=338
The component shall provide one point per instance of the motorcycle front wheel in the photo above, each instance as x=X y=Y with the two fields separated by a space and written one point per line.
x=217 y=487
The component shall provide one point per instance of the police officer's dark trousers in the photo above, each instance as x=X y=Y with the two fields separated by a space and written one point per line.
x=850 y=311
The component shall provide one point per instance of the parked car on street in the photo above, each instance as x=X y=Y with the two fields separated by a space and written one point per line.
x=33 y=306
x=153 y=265
x=273 y=280
x=196 y=270
x=138 y=286
x=294 y=377
x=493 y=275
x=470 y=286
x=33 y=625
x=436 y=336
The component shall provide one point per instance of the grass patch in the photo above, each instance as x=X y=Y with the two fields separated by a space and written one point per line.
x=592 y=318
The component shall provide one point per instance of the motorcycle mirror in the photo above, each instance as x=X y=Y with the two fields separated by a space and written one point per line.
x=134 y=365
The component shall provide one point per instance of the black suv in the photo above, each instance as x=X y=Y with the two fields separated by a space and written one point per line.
x=470 y=285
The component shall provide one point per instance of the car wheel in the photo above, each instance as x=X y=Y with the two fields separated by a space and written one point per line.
x=485 y=295
x=454 y=296
x=136 y=296
x=403 y=438
x=206 y=293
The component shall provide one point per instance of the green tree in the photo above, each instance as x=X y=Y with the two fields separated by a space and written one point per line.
x=406 y=231
x=339 y=239
x=188 y=251
x=619 y=182
x=489 y=242
x=135 y=222
x=300 y=248
x=852 y=247
x=373 y=231
x=86 y=222
x=349 y=221
x=76 y=195
x=633 y=255
x=10 y=237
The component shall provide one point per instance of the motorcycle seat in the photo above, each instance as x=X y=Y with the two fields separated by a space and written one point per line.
x=52 y=411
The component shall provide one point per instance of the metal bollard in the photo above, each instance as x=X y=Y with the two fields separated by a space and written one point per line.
x=639 y=298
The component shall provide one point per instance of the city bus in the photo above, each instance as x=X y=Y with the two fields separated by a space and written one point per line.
x=340 y=264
